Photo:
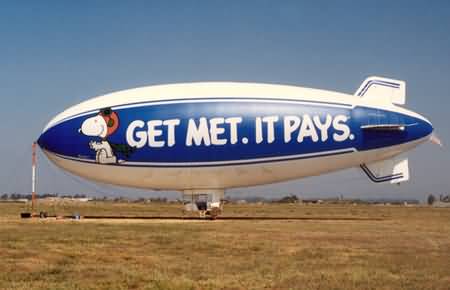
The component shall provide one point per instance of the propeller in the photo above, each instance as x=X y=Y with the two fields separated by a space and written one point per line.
x=435 y=140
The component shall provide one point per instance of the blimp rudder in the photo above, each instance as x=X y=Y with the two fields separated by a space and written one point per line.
x=392 y=126
x=383 y=90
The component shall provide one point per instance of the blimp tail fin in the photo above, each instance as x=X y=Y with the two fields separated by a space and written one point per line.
x=383 y=90
x=395 y=170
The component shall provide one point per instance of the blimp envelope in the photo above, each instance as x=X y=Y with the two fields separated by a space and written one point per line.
x=201 y=136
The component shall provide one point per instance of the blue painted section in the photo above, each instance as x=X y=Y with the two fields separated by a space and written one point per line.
x=372 y=139
x=65 y=138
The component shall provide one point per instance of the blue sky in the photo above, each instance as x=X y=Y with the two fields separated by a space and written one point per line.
x=54 y=54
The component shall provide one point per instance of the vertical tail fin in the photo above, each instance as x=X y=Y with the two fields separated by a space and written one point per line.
x=395 y=170
x=382 y=90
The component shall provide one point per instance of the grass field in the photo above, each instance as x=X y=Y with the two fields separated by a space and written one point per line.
x=408 y=249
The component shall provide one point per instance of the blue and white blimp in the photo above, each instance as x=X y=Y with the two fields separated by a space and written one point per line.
x=203 y=138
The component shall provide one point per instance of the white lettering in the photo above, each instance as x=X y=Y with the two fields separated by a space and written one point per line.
x=221 y=131
x=270 y=120
x=141 y=135
x=153 y=133
x=198 y=134
x=291 y=123
x=307 y=129
x=215 y=131
x=323 y=127
x=258 y=130
x=171 y=130
x=338 y=125
x=233 y=128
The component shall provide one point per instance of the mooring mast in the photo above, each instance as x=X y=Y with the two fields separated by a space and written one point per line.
x=33 y=177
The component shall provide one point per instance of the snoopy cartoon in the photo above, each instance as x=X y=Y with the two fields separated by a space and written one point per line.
x=104 y=124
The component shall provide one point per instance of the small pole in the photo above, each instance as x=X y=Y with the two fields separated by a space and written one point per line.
x=33 y=177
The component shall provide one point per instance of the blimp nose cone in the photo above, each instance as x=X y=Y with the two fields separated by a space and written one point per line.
x=41 y=142
x=65 y=139
x=425 y=128
x=47 y=141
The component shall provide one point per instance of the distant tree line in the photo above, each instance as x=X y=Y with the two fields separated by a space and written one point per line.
x=16 y=196
x=290 y=198
x=287 y=199
x=130 y=199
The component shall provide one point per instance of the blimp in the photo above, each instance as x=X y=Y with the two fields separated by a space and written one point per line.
x=203 y=138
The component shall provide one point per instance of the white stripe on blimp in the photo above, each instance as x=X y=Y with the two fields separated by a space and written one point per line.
x=231 y=99
x=218 y=163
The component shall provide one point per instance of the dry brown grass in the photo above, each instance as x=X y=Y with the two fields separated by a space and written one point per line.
x=409 y=249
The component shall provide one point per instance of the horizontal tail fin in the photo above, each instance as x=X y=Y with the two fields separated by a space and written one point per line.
x=394 y=170
x=382 y=90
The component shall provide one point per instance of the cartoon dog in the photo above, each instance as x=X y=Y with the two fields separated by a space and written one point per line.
x=103 y=125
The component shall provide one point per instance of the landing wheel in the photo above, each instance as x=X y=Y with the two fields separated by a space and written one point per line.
x=205 y=202
x=214 y=213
